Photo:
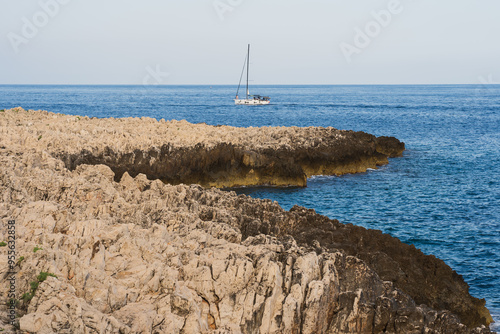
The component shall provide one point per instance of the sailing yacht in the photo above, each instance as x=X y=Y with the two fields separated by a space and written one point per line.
x=249 y=99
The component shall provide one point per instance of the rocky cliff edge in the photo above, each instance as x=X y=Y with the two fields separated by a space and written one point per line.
x=97 y=254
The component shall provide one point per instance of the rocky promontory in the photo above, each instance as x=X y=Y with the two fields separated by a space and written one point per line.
x=105 y=248
x=179 y=152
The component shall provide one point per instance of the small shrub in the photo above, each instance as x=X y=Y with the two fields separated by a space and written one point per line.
x=36 y=249
x=21 y=259
x=3 y=244
x=43 y=276
x=39 y=137
x=34 y=285
x=28 y=296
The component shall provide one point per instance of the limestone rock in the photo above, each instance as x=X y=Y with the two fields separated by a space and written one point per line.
x=180 y=152
x=132 y=255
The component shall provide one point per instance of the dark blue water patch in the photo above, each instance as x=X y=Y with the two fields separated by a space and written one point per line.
x=443 y=195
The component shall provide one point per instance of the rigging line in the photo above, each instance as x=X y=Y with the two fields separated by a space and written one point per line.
x=248 y=67
x=241 y=77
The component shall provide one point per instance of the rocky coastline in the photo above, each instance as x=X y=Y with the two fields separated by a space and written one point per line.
x=111 y=211
x=212 y=156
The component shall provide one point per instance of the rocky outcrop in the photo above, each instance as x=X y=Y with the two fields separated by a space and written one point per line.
x=139 y=255
x=143 y=256
x=180 y=152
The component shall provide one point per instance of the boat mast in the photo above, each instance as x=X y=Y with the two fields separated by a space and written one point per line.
x=241 y=77
x=248 y=65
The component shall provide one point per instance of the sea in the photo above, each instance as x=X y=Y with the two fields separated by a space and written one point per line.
x=442 y=195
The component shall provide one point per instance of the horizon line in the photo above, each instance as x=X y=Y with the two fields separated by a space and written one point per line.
x=211 y=85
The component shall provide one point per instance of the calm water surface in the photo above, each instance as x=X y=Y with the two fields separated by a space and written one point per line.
x=443 y=195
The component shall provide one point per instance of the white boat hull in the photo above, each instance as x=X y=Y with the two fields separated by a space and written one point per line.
x=250 y=102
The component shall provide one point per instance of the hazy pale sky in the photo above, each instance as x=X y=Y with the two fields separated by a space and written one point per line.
x=293 y=42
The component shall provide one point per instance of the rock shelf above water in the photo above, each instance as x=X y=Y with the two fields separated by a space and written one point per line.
x=179 y=152
x=134 y=254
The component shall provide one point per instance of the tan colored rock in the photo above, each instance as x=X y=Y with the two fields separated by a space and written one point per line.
x=180 y=152
x=140 y=256
x=56 y=309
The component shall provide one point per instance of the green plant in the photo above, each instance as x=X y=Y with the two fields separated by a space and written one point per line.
x=21 y=259
x=34 y=285
x=36 y=249
x=43 y=276
x=3 y=244
x=3 y=110
x=28 y=296
x=39 y=137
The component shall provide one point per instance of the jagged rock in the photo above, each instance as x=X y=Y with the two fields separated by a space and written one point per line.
x=142 y=256
x=179 y=152
x=56 y=309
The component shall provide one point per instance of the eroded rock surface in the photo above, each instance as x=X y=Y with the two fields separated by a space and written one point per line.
x=141 y=256
x=179 y=152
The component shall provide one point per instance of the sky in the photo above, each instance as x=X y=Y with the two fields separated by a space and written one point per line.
x=292 y=41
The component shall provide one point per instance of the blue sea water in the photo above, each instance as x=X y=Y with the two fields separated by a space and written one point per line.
x=443 y=195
